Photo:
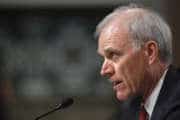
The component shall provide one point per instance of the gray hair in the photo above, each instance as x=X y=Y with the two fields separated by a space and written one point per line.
x=145 y=25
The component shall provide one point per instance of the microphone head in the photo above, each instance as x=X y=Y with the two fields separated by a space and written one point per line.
x=66 y=103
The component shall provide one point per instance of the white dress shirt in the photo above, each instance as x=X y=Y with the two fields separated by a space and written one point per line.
x=151 y=101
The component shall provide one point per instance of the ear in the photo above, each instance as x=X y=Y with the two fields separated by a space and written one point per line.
x=151 y=51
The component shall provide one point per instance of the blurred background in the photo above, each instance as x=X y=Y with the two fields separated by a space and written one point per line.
x=48 y=53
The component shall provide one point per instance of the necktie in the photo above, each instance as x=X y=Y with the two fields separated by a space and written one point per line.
x=143 y=115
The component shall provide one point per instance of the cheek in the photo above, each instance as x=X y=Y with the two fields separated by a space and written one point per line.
x=131 y=71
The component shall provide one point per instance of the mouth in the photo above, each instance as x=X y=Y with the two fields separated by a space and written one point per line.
x=116 y=84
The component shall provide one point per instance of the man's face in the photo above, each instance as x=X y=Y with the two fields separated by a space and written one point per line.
x=123 y=64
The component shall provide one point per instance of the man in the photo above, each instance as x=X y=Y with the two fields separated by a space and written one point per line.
x=136 y=44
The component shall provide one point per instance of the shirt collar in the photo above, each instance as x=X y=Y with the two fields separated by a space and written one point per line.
x=150 y=102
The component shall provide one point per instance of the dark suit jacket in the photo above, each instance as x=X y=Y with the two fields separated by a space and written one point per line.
x=167 y=106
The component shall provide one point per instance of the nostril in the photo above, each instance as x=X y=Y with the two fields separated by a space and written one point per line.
x=106 y=73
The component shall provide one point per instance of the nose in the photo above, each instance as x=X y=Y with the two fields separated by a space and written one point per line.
x=107 y=69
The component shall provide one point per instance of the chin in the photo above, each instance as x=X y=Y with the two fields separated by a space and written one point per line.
x=122 y=96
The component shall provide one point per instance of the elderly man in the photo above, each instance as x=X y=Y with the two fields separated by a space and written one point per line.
x=136 y=45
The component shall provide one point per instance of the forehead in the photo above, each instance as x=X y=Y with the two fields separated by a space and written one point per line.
x=114 y=35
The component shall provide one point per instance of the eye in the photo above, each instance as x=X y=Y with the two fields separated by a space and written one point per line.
x=113 y=56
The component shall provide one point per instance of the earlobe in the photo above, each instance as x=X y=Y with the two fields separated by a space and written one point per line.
x=151 y=51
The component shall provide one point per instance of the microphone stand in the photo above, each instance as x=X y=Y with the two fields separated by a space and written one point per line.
x=65 y=103
x=45 y=114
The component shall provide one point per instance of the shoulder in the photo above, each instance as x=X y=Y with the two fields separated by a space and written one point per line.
x=171 y=86
x=168 y=102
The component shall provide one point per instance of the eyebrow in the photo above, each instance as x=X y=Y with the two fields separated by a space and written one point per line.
x=110 y=49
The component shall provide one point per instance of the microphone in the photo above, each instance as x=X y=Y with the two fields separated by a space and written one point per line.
x=64 y=104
